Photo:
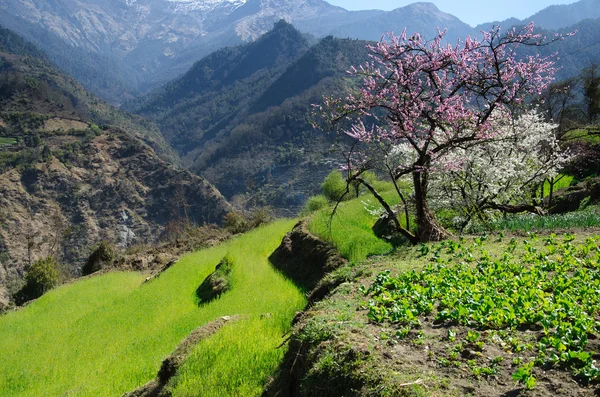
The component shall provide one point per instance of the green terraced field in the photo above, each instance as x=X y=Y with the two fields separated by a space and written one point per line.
x=106 y=335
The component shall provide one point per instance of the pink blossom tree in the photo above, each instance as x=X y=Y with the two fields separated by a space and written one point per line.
x=433 y=98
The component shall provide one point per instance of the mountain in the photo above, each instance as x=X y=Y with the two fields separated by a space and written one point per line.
x=576 y=52
x=564 y=15
x=103 y=74
x=239 y=116
x=221 y=86
x=151 y=40
x=74 y=170
x=554 y=17
x=119 y=48
x=244 y=124
x=424 y=18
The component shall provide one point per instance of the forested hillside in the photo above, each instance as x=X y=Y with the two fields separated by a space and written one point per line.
x=244 y=124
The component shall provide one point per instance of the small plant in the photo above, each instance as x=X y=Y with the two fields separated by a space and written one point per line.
x=260 y=216
x=484 y=371
x=524 y=375
x=402 y=332
x=102 y=256
x=472 y=336
x=451 y=335
x=314 y=203
x=236 y=222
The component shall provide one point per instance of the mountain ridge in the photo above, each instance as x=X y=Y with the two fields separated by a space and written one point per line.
x=251 y=137
x=74 y=171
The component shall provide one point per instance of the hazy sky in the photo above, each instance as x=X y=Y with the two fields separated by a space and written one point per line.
x=472 y=12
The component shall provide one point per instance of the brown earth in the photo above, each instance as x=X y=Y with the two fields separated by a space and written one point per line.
x=59 y=123
x=305 y=258
x=113 y=188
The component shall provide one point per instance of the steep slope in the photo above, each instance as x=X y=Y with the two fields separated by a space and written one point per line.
x=66 y=183
x=153 y=39
x=100 y=72
x=251 y=136
x=108 y=334
x=85 y=105
x=221 y=87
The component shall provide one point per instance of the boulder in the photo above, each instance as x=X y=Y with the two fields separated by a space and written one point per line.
x=217 y=283
x=385 y=229
x=570 y=199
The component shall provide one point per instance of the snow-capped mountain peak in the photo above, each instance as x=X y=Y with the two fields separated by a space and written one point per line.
x=203 y=5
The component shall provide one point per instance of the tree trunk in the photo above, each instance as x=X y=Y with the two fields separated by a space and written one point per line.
x=428 y=229
x=412 y=238
x=551 y=195
x=516 y=209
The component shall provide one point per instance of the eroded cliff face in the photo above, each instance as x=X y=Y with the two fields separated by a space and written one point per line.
x=110 y=187
x=74 y=171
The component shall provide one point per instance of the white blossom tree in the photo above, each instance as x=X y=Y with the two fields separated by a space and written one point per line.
x=503 y=173
x=434 y=98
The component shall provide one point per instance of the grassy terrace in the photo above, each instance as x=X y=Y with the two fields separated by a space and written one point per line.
x=106 y=335
x=497 y=313
x=350 y=228
x=7 y=141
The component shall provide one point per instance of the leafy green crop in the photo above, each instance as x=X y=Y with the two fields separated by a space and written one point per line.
x=552 y=289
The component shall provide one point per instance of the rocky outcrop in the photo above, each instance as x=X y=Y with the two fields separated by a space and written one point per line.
x=216 y=283
x=571 y=198
x=66 y=205
x=305 y=258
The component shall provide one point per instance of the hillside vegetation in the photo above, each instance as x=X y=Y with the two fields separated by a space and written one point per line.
x=75 y=171
x=245 y=124
x=107 y=335
x=31 y=83
x=480 y=315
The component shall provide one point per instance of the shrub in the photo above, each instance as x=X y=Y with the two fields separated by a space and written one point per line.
x=314 y=203
x=102 y=256
x=41 y=277
x=235 y=222
x=334 y=186
x=260 y=216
